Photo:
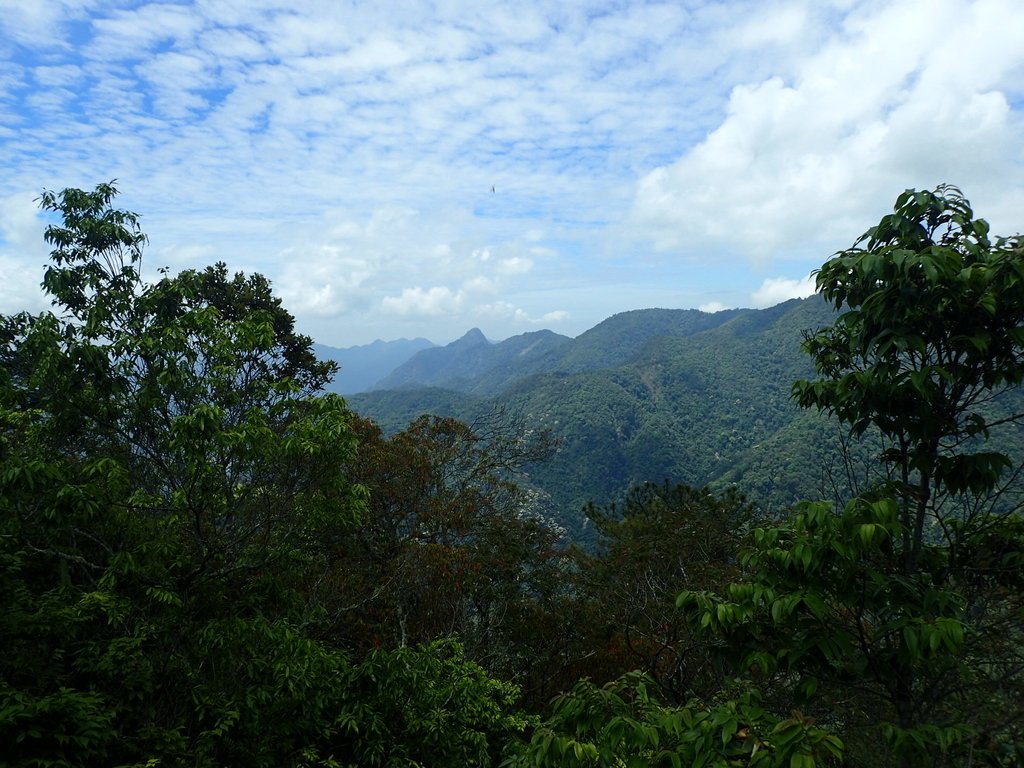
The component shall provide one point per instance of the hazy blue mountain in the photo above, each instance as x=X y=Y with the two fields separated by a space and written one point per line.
x=461 y=364
x=362 y=366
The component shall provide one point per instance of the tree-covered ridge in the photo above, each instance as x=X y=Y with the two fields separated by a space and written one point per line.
x=692 y=403
x=704 y=407
x=474 y=365
x=205 y=561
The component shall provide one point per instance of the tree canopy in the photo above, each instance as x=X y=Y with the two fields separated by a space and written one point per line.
x=890 y=606
x=169 y=481
x=207 y=561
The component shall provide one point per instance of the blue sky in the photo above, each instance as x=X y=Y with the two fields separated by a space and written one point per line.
x=683 y=154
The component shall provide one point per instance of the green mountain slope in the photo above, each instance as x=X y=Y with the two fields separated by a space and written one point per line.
x=654 y=394
x=658 y=394
x=644 y=396
x=394 y=409
x=688 y=409
x=620 y=338
x=473 y=364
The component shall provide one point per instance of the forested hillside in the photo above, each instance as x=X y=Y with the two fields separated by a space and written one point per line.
x=205 y=560
x=648 y=396
x=475 y=365
x=655 y=395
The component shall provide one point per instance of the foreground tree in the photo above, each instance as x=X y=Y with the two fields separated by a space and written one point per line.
x=625 y=723
x=657 y=539
x=168 y=481
x=932 y=334
x=452 y=544
x=904 y=610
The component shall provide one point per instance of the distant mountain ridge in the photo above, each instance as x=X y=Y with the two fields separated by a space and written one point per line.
x=463 y=363
x=361 y=367
x=646 y=396
x=474 y=365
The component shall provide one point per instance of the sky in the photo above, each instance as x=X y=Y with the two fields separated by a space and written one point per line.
x=417 y=169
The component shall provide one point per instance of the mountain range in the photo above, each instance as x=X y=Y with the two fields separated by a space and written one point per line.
x=359 y=368
x=645 y=396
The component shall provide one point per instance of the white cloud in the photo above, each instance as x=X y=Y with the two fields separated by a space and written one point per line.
x=349 y=152
x=417 y=302
x=326 y=285
x=499 y=309
x=774 y=23
x=479 y=284
x=20 y=223
x=19 y=285
x=775 y=290
x=516 y=265
x=57 y=76
x=713 y=306
x=34 y=23
x=22 y=255
x=806 y=159
x=557 y=316
x=505 y=309
x=132 y=34
x=397 y=262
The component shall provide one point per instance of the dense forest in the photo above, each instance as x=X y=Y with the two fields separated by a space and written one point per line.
x=653 y=395
x=645 y=396
x=208 y=560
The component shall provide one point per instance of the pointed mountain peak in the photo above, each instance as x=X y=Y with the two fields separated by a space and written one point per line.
x=473 y=338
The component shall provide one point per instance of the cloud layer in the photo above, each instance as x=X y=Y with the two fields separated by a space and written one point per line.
x=420 y=170
x=892 y=96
